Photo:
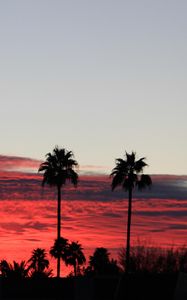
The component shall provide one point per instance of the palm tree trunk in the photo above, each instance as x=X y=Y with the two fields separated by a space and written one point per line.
x=75 y=269
x=58 y=226
x=128 y=231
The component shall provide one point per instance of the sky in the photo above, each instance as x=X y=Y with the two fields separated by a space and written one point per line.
x=96 y=77
x=99 y=78
x=91 y=213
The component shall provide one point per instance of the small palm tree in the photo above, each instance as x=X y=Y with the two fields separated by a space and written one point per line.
x=128 y=174
x=60 y=249
x=38 y=261
x=99 y=260
x=75 y=256
x=59 y=168
x=39 y=264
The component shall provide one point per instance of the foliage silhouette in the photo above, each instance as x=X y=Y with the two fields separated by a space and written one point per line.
x=75 y=256
x=100 y=263
x=155 y=260
x=59 y=168
x=39 y=264
x=15 y=270
x=70 y=253
x=128 y=174
x=60 y=249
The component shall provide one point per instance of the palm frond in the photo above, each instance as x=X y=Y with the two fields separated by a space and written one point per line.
x=117 y=180
x=145 y=181
x=59 y=249
x=139 y=165
x=130 y=158
x=73 y=177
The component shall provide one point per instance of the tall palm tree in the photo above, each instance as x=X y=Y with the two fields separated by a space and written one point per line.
x=128 y=173
x=75 y=256
x=59 y=168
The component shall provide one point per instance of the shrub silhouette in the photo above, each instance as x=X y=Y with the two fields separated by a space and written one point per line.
x=100 y=263
x=146 y=259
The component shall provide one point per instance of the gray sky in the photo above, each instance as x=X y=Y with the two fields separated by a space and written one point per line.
x=97 y=77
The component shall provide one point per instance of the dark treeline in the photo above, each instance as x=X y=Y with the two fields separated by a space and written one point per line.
x=151 y=260
x=143 y=260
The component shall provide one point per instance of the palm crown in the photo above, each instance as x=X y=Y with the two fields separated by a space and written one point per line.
x=59 y=249
x=75 y=256
x=59 y=167
x=38 y=261
x=127 y=173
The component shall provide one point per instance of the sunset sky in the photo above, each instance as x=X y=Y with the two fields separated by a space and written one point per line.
x=91 y=214
x=98 y=78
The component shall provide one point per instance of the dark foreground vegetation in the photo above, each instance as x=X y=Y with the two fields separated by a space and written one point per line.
x=139 y=286
x=154 y=274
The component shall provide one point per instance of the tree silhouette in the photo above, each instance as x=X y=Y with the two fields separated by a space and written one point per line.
x=100 y=263
x=39 y=264
x=75 y=256
x=59 y=168
x=128 y=174
x=99 y=260
x=154 y=260
x=60 y=249
x=15 y=270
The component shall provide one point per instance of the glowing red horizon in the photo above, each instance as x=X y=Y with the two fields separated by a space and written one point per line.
x=91 y=213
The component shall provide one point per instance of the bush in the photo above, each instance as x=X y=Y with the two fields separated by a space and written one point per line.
x=149 y=259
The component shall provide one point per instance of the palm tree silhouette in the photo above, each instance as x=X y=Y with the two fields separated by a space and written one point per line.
x=59 y=250
x=128 y=174
x=15 y=270
x=101 y=264
x=75 y=256
x=99 y=260
x=57 y=170
x=39 y=263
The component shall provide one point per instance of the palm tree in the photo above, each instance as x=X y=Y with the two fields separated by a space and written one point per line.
x=38 y=261
x=60 y=249
x=59 y=168
x=15 y=270
x=39 y=264
x=99 y=260
x=101 y=264
x=128 y=174
x=75 y=256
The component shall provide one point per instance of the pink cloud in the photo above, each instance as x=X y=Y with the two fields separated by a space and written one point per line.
x=16 y=163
